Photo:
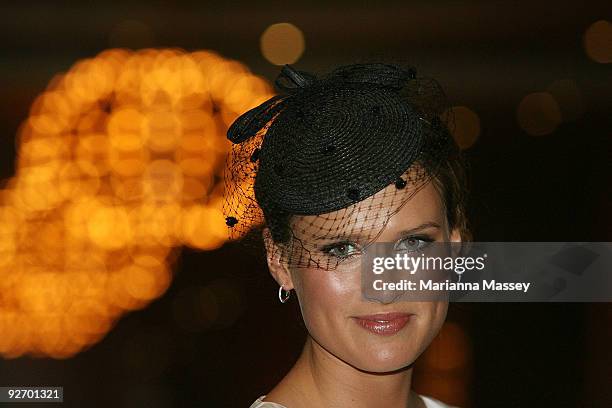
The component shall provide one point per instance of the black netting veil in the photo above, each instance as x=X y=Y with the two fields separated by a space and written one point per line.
x=331 y=157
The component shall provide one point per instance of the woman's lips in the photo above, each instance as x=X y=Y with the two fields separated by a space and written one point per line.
x=384 y=324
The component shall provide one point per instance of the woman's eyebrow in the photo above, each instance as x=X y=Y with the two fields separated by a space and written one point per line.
x=425 y=225
x=356 y=236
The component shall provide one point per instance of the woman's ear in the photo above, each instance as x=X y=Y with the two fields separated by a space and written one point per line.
x=278 y=269
x=455 y=235
x=457 y=245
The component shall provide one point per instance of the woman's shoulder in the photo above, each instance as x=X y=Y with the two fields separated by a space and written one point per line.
x=429 y=403
x=434 y=403
x=260 y=403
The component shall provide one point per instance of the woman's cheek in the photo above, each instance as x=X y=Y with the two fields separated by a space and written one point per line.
x=324 y=295
x=438 y=311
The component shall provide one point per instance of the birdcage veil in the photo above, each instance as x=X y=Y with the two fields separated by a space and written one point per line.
x=333 y=157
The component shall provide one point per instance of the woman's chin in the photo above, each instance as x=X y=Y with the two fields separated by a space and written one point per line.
x=384 y=362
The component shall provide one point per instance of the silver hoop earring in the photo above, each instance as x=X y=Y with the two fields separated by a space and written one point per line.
x=280 y=294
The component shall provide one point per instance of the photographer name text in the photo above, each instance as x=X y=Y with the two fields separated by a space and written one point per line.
x=431 y=285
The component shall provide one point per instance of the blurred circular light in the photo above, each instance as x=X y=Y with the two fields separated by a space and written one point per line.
x=282 y=43
x=229 y=297
x=450 y=350
x=598 y=41
x=196 y=309
x=465 y=125
x=539 y=114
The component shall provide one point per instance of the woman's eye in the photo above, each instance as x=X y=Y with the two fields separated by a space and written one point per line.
x=341 y=250
x=412 y=244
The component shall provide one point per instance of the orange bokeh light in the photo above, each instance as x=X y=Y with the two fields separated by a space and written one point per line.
x=119 y=165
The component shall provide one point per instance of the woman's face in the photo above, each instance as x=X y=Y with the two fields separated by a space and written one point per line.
x=331 y=300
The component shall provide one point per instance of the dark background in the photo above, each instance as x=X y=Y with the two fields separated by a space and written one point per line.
x=487 y=55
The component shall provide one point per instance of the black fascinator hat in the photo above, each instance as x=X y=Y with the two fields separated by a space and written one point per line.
x=309 y=160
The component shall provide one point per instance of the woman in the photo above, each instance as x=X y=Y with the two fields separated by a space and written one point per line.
x=327 y=167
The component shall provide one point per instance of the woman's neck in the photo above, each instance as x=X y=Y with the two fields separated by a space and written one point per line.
x=320 y=379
